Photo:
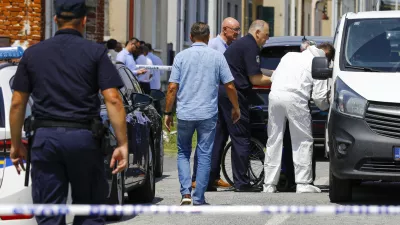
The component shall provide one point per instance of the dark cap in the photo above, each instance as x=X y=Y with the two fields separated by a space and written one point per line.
x=70 y=9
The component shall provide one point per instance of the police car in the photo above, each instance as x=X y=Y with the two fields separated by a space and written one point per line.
x=12 y=189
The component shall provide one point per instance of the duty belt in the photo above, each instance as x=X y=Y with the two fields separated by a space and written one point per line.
x=37 y=123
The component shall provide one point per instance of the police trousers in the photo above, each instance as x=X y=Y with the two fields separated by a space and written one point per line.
x=63 y=156
x=240 y=134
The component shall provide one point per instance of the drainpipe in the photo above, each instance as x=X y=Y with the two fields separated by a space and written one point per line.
x=178 y=27
x=292 y=18
x=300 y=17
x=48 y=17
x=334 y=15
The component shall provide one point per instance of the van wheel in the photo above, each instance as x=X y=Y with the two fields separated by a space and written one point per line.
x=339 y=190
x=146 y=193
x=117 y=194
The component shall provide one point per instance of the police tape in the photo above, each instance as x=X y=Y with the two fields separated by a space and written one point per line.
x=130 y=210
x=164 y=68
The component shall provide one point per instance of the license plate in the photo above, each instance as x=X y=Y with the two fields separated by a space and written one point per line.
x=396 y=153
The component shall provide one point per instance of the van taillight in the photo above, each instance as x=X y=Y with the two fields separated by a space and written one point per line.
x=16 y=217
x=6 y=143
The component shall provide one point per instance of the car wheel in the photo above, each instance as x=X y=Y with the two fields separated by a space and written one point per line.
x=160 y=159
x=117 y=194
x=340 y=190
x=145 y=193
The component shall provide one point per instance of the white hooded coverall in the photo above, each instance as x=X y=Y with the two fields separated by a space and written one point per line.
x=292 y=85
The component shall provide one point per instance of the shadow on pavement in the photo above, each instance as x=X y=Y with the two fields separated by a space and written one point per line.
x=162 y=178
x=324 y=188
x=375 y=193
x=157 y=200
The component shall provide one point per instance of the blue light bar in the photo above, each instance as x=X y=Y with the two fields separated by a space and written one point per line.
x=7 y=53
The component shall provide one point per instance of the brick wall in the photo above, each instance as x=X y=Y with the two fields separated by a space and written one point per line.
x=95 y=20
x=22 y=20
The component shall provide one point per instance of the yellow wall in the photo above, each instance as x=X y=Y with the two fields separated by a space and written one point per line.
x=327 y=24
x=279 y=27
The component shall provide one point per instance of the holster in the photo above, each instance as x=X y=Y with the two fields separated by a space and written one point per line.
x=96 y=126
x=29 y=134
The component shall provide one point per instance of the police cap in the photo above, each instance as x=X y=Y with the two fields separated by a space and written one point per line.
x=70 y=9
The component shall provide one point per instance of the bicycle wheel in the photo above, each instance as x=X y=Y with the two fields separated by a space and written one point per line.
x=256 y=165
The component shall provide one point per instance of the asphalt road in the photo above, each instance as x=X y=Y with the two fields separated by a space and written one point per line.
x=167 y=193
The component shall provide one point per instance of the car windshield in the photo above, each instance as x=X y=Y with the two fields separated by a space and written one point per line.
x=271 y=56
x=372 y=44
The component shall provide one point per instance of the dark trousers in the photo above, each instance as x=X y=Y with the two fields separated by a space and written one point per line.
x=65 y=155
x=145 y=87
x=240 y=137
x=287 y=156
x=157 y=106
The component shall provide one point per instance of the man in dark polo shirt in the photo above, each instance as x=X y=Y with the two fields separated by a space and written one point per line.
x=244 y=62
x=63 y=75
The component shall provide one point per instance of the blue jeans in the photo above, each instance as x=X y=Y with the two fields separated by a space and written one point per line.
x=205 y=141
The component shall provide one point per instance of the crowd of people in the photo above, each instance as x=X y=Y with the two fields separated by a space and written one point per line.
x=134 y=53
x=212 y=82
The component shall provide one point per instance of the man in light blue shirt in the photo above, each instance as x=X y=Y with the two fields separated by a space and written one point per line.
x=195 y=77
x=126 y=57
x=155 y=82
x=230 y=29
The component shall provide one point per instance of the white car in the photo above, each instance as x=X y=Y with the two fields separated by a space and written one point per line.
x=12 y=189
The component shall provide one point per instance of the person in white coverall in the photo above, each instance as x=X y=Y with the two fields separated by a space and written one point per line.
x=292 y=84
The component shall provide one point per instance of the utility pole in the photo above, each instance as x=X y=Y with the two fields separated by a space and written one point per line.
x=178 y=27
x=292 y=18
x=334 y=17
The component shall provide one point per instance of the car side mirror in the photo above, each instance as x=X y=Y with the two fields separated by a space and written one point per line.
x=140 y=100
x=157 y=95
x=320 y=68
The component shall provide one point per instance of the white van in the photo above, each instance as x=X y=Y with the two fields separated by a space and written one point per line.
x=363 y=130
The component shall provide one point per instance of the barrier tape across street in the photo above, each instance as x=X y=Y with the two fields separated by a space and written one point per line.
x=164 y=68
x=130 y=210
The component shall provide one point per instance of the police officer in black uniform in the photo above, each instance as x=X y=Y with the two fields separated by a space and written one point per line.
x=244 y=62
x=63 y=75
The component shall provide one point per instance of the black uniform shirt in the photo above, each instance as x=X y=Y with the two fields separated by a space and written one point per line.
x=64 y=75
x=244 y=61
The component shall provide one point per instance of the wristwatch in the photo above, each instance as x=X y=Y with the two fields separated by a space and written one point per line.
x=168 y=113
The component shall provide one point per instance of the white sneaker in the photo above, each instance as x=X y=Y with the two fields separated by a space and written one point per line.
x=269 y=188
x=307 y=188
x=186 y=200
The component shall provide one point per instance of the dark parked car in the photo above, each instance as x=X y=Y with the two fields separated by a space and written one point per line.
x=272 y=52
x=156 y=132
x=138 y=180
